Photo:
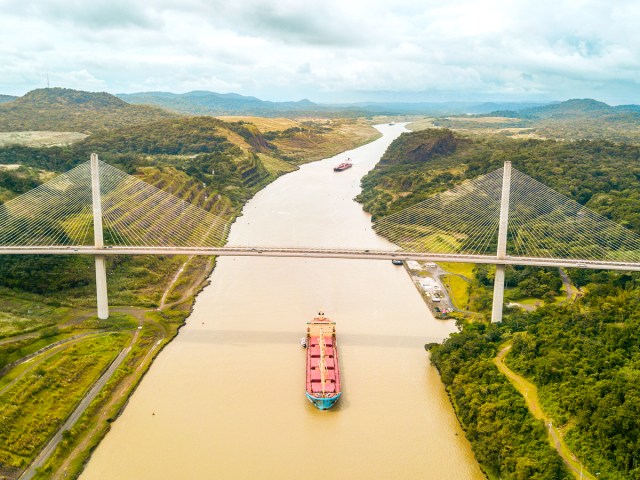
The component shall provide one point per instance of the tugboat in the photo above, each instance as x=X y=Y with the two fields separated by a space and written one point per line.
x=343 y=166
x=323 y=372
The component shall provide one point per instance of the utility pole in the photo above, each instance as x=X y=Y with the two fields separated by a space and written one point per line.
x=101 y=271
x=498 y=284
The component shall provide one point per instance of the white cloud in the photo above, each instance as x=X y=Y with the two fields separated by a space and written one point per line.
x=286 y=49
x=78 y=79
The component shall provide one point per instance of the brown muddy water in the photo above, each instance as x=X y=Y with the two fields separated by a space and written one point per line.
x=228 y=393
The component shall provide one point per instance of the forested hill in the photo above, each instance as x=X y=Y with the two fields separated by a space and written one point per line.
x=62 y=109
x=196 y=145
x=7 y=98
x=583 y=354
x=182 y=135
x=418 y=148
x=602 y=175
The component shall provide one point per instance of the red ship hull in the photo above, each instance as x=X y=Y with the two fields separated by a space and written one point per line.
x=323 y=372
x=342 y=167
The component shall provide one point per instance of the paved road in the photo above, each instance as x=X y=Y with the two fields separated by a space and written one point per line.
x=568 y=286
x=7 y=368
x=172 y=283
x=44 y=455
x=323 y=253
x=22 y=336
x=38 y=357
x=38 y=332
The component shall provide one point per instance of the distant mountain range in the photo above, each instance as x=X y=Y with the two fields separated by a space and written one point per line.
x=64 y=109
x=439 y=108
x=7 y=98
x=212 y=103
x=574 y=108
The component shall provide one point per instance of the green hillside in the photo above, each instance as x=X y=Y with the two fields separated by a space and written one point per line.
x=180 y=135
x=62 y=109
x=602 y=175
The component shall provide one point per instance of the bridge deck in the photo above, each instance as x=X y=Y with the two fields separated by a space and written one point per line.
x=322 y=253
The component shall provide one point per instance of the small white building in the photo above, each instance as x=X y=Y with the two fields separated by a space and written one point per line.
x=428 y=282
x=413 y=265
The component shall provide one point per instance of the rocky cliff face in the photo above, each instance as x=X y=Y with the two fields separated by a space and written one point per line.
x=419 y=147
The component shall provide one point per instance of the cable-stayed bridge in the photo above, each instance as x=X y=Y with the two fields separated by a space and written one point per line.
x=502 y=218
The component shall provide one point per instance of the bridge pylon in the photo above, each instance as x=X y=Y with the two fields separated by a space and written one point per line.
x=101 y=271
x=498 y=283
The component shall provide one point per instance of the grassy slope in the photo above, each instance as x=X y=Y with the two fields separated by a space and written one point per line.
x=314 y=140
x=459 y=290
x=262 y=123
x=464 y=269
x=37 y=403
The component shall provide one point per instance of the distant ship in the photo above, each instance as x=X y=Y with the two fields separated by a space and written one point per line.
x=323 y=373
x=343 y=166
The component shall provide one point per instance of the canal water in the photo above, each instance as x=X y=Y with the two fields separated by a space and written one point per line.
x=226 y=399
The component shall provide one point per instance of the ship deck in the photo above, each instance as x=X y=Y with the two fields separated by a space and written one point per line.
x=323 y=374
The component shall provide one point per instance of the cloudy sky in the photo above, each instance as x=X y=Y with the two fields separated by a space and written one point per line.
x=327 y=50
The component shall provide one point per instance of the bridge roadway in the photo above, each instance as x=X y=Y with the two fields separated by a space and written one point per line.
x=305 y=252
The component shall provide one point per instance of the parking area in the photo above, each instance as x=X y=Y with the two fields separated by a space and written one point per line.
x=426 y=277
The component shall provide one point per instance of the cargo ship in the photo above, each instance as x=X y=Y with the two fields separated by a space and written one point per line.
x=323 y=373
x=343 y=166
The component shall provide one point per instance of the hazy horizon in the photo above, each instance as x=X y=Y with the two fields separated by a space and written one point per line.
x=390 y=99
x=328 y=52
